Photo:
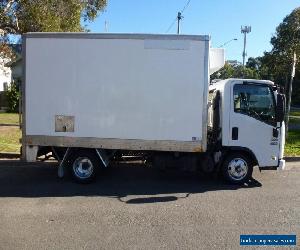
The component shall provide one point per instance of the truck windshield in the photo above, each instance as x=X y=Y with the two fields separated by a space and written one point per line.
x=256 y=101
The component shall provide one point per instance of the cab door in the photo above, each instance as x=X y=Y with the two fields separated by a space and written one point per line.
x=252 y=121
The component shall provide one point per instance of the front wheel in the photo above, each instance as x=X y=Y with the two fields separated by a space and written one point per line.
x=84 y=166
x=237 y=168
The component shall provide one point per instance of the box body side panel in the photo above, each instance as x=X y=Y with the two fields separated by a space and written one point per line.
x=124 y=89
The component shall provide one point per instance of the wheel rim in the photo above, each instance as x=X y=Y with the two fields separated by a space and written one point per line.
x=83 y=168
x=237 y=169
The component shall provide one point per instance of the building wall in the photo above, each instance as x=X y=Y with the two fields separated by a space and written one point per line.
x=5 y=76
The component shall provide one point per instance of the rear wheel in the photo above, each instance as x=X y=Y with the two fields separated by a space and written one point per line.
x=237 y=168
x=84 y=166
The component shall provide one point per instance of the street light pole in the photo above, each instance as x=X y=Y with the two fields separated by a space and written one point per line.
x=245 y=30
x=233 y=39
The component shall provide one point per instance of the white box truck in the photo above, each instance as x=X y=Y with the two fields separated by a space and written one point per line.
x=93 y=99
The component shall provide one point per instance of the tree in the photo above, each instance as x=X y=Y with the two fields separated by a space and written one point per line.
x=286 y=42
x=253 y=63
x=21 y=16
x=287 y=38
x=235 y=71
x=13 y=95
x=224 y=73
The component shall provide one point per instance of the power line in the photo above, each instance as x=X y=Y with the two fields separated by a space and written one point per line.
x=183 y=9
x=171 y=25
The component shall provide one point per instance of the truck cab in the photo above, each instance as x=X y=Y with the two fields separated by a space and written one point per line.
x=246 y=118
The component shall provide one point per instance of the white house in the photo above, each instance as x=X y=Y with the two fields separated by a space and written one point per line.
x=5 y=75
x=9 y=71
x=16 y=69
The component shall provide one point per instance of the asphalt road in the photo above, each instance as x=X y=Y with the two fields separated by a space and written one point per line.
x=136 y=207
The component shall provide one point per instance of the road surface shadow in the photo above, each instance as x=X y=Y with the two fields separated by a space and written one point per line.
x=121 y=181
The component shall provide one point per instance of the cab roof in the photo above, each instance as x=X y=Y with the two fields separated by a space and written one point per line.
x=249 y=81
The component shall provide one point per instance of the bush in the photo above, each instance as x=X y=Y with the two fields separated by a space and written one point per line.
x=13 y=96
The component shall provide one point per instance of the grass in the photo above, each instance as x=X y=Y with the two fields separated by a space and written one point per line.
x=10 y=135
x=9 y=118
x=9 y=139
x=292 y=144
x=295 y=113
x=294 y=120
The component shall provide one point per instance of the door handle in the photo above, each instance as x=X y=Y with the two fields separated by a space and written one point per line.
x=235 y=133
x=275 y=132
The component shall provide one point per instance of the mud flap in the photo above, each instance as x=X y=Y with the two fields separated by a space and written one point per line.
x=61 y=167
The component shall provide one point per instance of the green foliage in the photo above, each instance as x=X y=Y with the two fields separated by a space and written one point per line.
x=294 y=120
x=13 y=96
x=276 y=65
x=21 y=16
x=235 y=71
x=226 y=72
x=295 y=113
x=49 y=16
x=254 y=63
x=292 y=146
x=287 y=37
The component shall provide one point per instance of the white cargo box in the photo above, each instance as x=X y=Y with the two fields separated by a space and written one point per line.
x=116 y=91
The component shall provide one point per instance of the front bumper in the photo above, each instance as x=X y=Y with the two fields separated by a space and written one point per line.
x=281 y=164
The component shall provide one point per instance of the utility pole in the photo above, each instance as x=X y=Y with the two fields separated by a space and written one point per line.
x=106 y=26
x=245 y=30
x=179 y=17
x=290 y=89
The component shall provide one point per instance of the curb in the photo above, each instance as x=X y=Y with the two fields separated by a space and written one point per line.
x=292 y=158
x=8 y=125
x=9 y=155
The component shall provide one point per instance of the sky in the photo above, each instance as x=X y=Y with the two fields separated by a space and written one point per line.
x=222 y=19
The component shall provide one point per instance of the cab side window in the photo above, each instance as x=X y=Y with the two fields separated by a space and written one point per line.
x=256 y=101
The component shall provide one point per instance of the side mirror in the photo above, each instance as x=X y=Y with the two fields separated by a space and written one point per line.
x=280 y=108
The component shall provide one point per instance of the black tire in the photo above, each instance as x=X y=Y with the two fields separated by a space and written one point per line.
x=237 y=168
x=84 y=165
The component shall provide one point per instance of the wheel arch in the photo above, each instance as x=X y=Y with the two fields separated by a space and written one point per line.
x=243 y=150
x=100 y=153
